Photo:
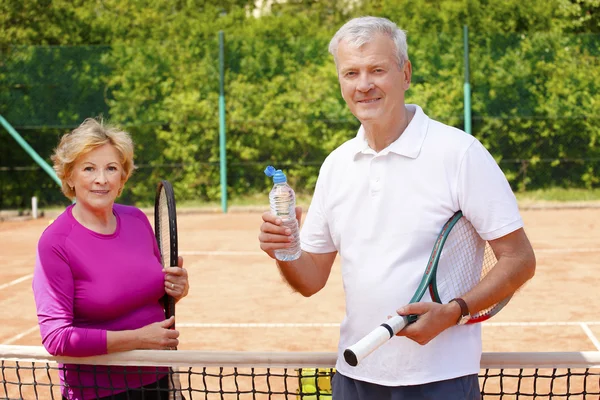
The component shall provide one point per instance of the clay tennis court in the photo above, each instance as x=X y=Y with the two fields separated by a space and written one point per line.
x=238 y=301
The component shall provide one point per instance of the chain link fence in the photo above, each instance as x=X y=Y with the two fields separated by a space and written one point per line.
x=536 y=107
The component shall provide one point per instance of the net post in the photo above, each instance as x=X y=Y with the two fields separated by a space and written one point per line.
x=34 y=207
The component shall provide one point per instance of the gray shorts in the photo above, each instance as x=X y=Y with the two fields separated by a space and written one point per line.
x=462 y=388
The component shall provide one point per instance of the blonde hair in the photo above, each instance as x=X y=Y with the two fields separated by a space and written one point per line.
x=88 y=136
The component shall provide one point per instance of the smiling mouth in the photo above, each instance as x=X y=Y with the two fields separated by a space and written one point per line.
x=100 y=191
x=368 y=101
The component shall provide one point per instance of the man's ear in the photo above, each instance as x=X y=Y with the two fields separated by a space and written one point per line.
x=407 y=72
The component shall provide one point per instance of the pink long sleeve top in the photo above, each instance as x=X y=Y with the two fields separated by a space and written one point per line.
x=86 y=284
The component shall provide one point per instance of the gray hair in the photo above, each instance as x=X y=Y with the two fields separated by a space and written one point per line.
x=360 y=31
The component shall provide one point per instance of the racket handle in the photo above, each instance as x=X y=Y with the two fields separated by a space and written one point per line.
x=378 y=336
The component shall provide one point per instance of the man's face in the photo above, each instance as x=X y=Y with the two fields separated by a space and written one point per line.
x=371 y=81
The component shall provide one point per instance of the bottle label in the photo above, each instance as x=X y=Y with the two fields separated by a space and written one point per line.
x=282 y=204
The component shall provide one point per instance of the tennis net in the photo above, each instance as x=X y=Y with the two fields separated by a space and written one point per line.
x=29 y=372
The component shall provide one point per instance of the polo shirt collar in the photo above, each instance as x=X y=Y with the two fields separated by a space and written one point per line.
x=408 y=144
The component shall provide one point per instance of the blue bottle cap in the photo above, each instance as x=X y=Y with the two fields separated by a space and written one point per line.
x=277 y=174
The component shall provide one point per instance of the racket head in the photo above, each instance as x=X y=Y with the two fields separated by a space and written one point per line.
x=428 y=282
x=461 y=260
x=165 y=230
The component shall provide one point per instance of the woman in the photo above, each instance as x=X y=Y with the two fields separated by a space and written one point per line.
x=98 y=281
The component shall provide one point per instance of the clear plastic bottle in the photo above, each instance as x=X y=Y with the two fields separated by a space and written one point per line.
x=283 y=204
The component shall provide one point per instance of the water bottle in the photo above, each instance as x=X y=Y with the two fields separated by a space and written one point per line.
x=283 y=204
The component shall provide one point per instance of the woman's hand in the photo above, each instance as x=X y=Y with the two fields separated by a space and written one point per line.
x=158 y=336
x=176 y=281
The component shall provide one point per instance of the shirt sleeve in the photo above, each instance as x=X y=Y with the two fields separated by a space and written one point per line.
x=53 y=289
x=140 y=214
x=315 y=236
x=485 y=196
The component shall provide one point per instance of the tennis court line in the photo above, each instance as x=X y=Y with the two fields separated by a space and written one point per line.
x=582 y=325
x=16 y=281
x=590 y=335
x=257 y=325
x=221 y=253
x=569 y=250
x=562 y=323
x=257 y=253
x=21 y=335
x=336 y=325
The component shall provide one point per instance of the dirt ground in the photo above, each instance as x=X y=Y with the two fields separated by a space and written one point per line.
x=238 y=300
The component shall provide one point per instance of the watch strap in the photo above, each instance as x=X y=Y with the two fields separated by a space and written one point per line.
x=464 y=309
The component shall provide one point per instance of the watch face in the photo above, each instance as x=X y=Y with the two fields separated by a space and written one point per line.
x=463 y=320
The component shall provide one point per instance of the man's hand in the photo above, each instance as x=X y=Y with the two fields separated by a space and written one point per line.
x=273 y=235
x=433 y=319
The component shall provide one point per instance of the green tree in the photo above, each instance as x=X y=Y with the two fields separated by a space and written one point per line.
x=152 y=66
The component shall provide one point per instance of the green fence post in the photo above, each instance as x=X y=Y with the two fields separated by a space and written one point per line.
x=36 y=157
x=467 y=86
x=222 y=122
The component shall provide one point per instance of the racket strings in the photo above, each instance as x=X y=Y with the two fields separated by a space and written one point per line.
x=164 y=229
x=464 y=261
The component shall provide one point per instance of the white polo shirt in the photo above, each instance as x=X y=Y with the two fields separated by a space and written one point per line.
x=382 y=212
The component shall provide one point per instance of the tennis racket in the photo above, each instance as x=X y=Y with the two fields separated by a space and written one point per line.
x=459 y=260
x=165 y=230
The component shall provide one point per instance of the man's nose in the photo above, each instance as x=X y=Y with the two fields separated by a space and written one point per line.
x=365 y=84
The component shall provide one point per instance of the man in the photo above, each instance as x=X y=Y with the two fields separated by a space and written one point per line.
x=380 y=201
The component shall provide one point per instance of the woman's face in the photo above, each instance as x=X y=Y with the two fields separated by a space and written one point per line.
x=97 y=178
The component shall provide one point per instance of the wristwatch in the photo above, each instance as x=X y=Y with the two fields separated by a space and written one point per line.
x=465 y=316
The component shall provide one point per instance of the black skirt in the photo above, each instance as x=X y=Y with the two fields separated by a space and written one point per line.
x=158 y=390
